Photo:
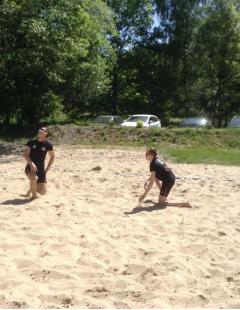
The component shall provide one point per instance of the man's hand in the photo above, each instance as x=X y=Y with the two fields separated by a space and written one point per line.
x=46 y=170
x=146 y=184
x=33 y=168
x=29 y=161
x=51 y=160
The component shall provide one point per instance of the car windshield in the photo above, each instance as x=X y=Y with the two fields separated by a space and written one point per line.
x=138 y=118
x=235 y=121
x=103 y=119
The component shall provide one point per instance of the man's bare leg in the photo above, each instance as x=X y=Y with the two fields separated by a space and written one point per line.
x=158 y=184
x=33 y=185
x=161 y=198
x=41 y=188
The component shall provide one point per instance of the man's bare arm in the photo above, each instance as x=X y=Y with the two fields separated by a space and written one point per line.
x=51 y=160
x=156 y=181
x=149 y=186
x=28 y=159
x=146 y=182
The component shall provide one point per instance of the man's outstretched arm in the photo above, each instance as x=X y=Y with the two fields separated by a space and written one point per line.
x=149 y=186
x=51 y=160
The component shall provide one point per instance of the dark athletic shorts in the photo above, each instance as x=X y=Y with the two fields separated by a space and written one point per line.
x=40 y=174
x=166 y=187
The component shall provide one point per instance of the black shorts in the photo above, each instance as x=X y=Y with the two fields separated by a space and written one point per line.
x=166 y=187
x=40 y=174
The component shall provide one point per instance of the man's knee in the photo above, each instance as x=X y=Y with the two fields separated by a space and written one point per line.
x=42 y=189
x=32 y=177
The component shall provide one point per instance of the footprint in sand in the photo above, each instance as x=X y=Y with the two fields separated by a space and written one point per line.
x=8 y=246
x=6 y=285
x=131 y=269
x=221 y=233
x=23 y=263
x=121 y=305
x=39 y=276
x=233 y=305
x=18 y=305
x=65 y=301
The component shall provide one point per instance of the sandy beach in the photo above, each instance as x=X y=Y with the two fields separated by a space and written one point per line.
x=86 y=244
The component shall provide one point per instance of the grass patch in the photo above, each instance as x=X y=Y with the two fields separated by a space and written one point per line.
x=218 y=156
x=185 y=145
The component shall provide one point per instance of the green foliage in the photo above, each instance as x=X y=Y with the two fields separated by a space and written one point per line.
x=218 y=62
x=186 y=65
x=139 y=124
x=133 y=20
x=52 y=52
x=172 y=58
x=86 y=77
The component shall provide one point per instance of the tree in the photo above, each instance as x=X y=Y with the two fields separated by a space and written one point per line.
x=52 y=52
x=157 y=72
x=218 y=58
x=86 y=67
x=178 y=22
x=168 y=57
x=133 y=18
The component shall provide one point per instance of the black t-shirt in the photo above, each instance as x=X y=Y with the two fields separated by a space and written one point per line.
x=163 y=173
x=39 y=151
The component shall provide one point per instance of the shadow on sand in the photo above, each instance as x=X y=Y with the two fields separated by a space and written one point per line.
x=157 y=206
x=16 y=202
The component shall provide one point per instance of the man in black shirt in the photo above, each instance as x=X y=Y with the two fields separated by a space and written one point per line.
x=159 y=172
x=35 y=154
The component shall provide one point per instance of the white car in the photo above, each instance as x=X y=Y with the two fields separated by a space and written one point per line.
x=146 y=119
x=235 y=122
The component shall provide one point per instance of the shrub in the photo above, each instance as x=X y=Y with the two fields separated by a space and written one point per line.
x=139 y=124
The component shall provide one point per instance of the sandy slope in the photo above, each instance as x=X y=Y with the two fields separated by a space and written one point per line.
x=77 y=247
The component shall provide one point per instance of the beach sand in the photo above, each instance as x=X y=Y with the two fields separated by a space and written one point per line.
x=86 y=244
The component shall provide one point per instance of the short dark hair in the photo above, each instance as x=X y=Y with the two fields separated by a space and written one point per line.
x=152 y=152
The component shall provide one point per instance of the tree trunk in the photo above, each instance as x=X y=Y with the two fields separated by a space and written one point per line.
x=114 y=99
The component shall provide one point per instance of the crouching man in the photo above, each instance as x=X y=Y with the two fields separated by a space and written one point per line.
x=35 y=155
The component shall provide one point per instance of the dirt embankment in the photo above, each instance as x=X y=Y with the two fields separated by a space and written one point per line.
x=106 y=135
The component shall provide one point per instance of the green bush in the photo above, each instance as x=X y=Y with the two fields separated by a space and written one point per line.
x=139 y=124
